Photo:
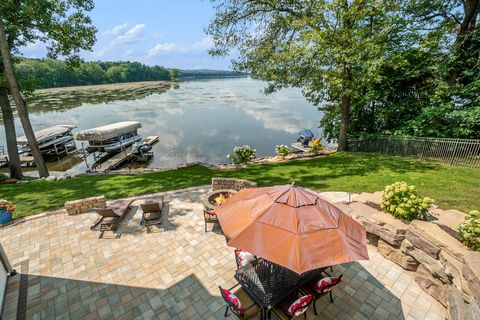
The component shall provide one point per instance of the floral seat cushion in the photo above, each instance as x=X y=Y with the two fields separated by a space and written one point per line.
x=326 y=284
x=297 y=307
x=244 y=257
x=232 y=300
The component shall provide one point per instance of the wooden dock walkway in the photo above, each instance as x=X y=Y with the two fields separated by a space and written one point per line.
x=121 y=157
x=25 y=161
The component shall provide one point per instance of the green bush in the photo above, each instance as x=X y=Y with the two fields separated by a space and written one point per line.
x=3 y=176
x=403 y=201
x=242 y=154
x=316 y=145
x=469 y=231
x=282 y=150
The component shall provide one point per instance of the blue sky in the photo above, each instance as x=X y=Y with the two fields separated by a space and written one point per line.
x=162 y=32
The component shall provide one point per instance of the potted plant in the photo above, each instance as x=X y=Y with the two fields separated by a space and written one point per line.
x=6 y=210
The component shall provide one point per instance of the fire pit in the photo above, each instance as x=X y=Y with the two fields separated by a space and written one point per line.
x=215 y=198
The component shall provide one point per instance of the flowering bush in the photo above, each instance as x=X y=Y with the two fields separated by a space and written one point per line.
x=282 y=150
x=4 y=204
x=403 y=201
x=469 y=231
x=316 y=145
x=242 y=154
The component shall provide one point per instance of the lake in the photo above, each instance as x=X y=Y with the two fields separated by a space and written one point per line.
x=196 y=120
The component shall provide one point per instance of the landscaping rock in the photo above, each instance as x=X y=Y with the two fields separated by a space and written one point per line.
x=51 y=178
x=440 y=238
x=379 y=223
x=396 y=255
x=85 y=205
x=471 y=272
x=451 y=218
x=415 y=237
x=454 y=267
x=369 y=198
x=433 y=286
x=458 y=309
x=434 y=266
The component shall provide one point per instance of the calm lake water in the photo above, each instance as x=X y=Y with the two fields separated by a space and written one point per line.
x=196 y=120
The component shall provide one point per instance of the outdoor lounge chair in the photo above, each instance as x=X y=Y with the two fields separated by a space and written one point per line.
x=293 y=306
x=321 y=287
x=110 y=217
x=152 y=212
x=239 y=302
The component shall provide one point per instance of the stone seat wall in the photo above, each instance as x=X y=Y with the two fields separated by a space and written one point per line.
x=85 y=205
x=232 y=183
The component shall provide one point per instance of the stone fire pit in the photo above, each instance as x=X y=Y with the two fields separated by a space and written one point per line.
x=209 y=200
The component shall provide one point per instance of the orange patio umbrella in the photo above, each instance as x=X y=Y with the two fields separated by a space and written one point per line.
x=292 y=227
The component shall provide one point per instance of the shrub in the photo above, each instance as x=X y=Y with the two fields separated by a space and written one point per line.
x=316 y=145
x=282 y=150
x=242 y=154
x=469 y=231
x=3 y=176
x=403 y=201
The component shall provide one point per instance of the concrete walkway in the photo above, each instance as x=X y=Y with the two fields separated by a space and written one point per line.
x=67 y=272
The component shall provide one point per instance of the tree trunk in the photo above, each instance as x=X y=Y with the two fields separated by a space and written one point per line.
x=20 y=103
x=10 y=136
x=345 y=111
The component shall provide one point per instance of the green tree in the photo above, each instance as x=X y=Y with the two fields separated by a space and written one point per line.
x=64 y=26
x=173 y=74
x=326 y=48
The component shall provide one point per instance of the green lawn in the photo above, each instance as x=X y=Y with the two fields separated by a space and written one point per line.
x=451 y=187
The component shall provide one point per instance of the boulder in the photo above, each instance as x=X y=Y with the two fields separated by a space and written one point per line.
x=396 y=255
x=415 y=236
x=433 y=266
x=471 y=272
x=454 y=267
x=373 y=199
x=51 y=178
x=458 y=309
x=451 y=218
x=379 y=223
x=433 y=286
x=440 y=238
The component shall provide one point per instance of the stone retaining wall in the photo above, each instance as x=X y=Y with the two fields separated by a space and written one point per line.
x=232 y=183
x=85 y=205
x=444 y=267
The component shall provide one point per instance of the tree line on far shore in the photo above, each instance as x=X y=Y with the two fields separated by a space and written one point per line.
x=50 y=73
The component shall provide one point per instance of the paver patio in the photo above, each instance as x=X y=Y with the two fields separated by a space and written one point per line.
x=67 y=272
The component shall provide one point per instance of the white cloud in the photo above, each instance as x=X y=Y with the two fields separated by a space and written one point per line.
x=129 y=37
x=170 y=47
x=116 y=30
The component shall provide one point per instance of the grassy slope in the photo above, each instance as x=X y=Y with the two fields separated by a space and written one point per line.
x=451 y=187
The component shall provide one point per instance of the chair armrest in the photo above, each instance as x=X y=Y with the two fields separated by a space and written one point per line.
x=234 y=286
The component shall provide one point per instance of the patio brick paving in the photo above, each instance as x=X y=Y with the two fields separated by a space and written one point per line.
x=67 y=272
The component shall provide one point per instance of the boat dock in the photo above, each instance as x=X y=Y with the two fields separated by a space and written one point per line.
x=299 y=146
x=25 y=161
x=122 y=157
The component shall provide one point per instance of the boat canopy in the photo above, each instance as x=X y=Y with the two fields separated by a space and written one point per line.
x=108 y=132
x=48 y=133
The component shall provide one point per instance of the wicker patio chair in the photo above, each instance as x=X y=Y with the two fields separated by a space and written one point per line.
x=151 y=213
x=321 y=287
x=293 y=306
x=237 y=300
x=210 y=217
x=110 y=217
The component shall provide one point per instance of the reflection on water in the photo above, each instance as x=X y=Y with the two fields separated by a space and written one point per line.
x=196 y=121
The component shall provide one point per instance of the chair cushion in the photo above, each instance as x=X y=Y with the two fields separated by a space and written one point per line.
x=296 y=309
x=232 y=299
x=244 y=257
x=326 y=284
x=211 y=213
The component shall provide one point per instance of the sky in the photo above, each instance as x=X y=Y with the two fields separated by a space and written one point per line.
x=169 y=33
